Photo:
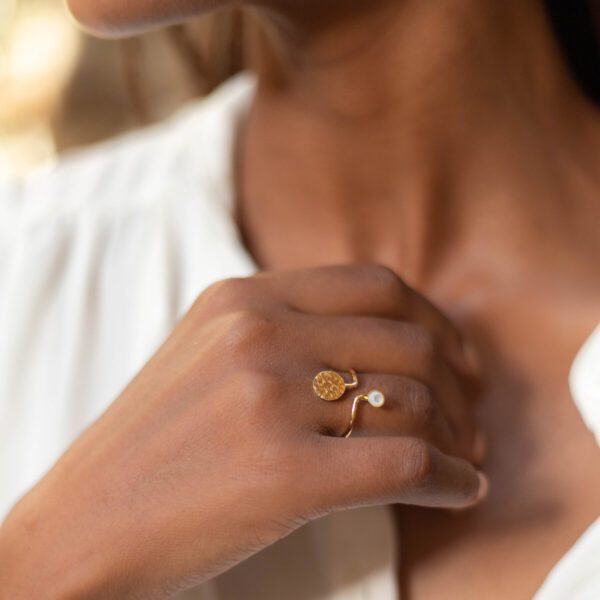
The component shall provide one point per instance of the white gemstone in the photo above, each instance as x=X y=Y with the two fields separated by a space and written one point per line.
x=376 y=398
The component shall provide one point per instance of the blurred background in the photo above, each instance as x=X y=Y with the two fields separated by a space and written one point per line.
x=60 y=88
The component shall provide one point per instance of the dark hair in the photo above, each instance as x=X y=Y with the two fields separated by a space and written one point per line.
x=577 y=26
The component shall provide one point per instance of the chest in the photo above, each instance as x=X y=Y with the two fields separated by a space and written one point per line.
x=543 y=463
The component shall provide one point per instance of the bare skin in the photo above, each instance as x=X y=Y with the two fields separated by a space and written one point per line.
x=480 y=184
x=213 y=452
x=445 y=140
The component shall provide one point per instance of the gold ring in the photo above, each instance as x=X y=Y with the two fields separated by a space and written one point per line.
x=375 y=398
x=330 y=385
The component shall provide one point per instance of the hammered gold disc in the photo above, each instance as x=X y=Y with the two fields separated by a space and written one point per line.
x=329 y=385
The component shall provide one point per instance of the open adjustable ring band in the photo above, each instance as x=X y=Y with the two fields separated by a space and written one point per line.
x=375 y=398
x=331 y=386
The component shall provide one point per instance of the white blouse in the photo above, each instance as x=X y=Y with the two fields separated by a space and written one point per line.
x=99 y=257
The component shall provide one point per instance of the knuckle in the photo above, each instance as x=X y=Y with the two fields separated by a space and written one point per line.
x=387 y=282
x=418 y=463
x=262 y=387
x=258 y=393
x=423 y=406
x=228 y=292
x=426 y=346
x=248 y=331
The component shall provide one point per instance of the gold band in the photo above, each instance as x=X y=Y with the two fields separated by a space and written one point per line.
x=375 y=398
x=331 y=386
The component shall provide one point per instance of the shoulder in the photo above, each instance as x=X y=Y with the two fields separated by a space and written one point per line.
x=191 y=148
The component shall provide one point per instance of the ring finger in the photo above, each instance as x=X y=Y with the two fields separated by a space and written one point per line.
x=410 y=409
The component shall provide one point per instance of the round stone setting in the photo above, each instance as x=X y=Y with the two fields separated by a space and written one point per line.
x=329 y=385
x=376 y=398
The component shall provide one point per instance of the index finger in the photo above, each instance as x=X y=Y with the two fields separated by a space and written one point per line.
x=368 y=290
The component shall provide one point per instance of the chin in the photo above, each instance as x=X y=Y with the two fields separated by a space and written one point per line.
x=114 y=18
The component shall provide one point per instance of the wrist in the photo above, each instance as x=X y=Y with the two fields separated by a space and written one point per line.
x=25 y=572
x=39 y=560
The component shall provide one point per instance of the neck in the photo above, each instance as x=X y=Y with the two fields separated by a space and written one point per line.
x=383 y=134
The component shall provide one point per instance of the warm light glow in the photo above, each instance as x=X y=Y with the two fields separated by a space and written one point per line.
x=8 y=11
x=38 y=51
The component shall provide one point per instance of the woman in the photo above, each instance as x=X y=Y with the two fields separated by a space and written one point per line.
x=445 y=142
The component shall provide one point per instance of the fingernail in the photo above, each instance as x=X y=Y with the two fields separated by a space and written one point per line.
x=479 y=447
x=484 y=487
x=482 y=493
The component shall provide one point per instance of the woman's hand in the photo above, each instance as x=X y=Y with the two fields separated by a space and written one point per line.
x=219 y=446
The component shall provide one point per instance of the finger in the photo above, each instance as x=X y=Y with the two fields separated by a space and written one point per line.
x=373 y=471
x=367 y=290
x=370 y=344
x=375 y=345
x=410 y=409
x=455 y=405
